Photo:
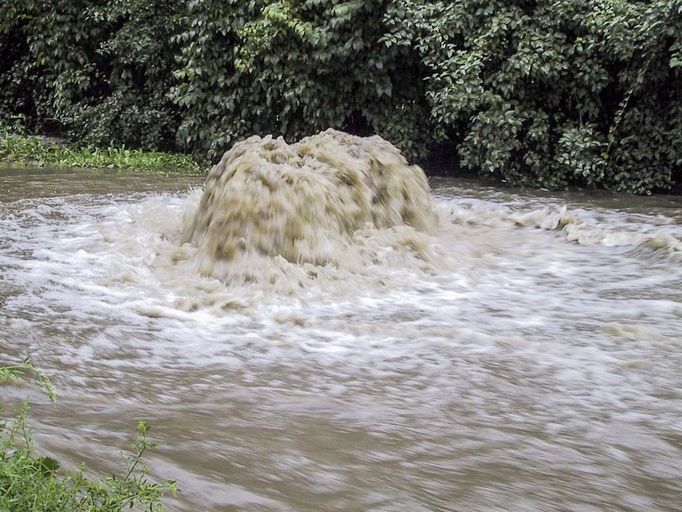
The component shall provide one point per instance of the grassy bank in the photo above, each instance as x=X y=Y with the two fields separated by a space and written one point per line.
x=30 y=482
x=20 y=150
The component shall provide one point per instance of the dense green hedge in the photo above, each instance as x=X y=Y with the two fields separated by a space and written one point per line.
x=100 y=71
x=541 y=93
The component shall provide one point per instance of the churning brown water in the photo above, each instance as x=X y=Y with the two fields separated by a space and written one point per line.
x=524 y=354
x=306 y=201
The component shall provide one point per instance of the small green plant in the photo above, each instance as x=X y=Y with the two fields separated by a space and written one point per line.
x=26 y=150
x=11 y=373
x=33 y=483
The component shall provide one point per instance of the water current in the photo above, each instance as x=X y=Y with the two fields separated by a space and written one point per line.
x=524 y=355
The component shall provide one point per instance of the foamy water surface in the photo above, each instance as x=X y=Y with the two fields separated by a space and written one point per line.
x=526 y=356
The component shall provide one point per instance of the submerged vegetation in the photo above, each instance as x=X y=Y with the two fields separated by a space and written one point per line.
x=25 y=150
x=540 y=93
x=33 y=483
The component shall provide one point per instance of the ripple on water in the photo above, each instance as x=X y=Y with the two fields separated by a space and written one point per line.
x=529 y=361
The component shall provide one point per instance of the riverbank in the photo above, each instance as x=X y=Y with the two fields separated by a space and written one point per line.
x=18 y=150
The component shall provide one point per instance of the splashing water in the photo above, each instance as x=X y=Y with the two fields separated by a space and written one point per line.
x=522 y=353
x=306 y=201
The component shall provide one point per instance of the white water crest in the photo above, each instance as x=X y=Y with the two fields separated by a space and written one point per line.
x=522 y=353
x=309 y=202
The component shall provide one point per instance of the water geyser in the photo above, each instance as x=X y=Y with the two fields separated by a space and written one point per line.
x=304 y=201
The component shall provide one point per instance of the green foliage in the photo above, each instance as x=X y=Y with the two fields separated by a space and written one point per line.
x=33 y=483
x=293 y=68
x=98 y=70
x=534 y=92
x=22 y=151
x=546 y=93
x=9 y=374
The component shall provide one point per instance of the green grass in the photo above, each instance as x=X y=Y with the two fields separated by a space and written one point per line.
x=33 y=483
x=30 y=151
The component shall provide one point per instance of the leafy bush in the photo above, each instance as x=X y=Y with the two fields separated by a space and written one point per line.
x=293 y=68
x=534 y=92
x=550 y=92
x=30 y=483
x=99 y=70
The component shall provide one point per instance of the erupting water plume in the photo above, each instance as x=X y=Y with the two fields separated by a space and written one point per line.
x=305 y=201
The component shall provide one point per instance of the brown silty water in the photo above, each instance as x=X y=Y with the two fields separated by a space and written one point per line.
x=304 y=202
x=315 y=329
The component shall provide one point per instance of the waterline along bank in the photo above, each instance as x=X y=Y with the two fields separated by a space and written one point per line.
x=17 y=150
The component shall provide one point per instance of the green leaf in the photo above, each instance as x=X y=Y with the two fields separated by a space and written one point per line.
x=48 y=465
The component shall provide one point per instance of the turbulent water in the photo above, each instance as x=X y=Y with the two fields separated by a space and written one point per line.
x=305 y=203
x=522 y=354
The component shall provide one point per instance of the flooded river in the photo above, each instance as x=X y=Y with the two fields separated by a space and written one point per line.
x=525 y=356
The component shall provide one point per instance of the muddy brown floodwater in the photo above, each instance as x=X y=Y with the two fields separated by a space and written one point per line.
x=526 y=356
